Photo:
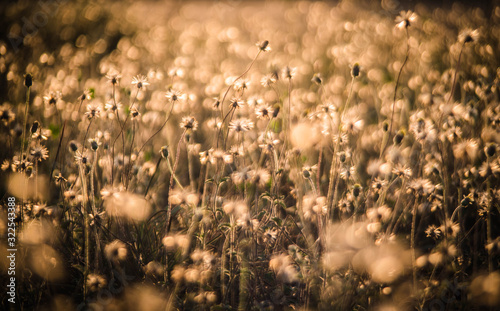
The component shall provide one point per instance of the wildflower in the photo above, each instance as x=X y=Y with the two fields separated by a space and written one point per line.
x=489 y=168
x=347 y=172
x=282 y=266
x=113 y=77
x=468 y=35
x=112 y=105
x=450 y=229
x=140 y=81
x=28 y=80
x=81 y=157
x=241 y=85
x=134 y=113
x=263 y=111
x=39 y=153
x=490 y=150
x=356 y=190
x=87 y=94
x=216 y=103
x=289 y=73
x=73 y=146
x=189 y=123
x=268 y=80
x=345 y=205
x=260 y=176
x=236 y=208
x=115 y=251
x=6 y=114
x=93 y=111
x=95 y=282
x=317 y=79
x=398 y=138
x=433 y=232
x=241 y=125
x=269 y=145
x=171 y=243
x=52 y=97
x=94 y=143
x=153 y=268
x=421 y=187
x=355 y=70
x=205 y=157
x=173 y=95
x=402 y=171
x=236 y=103
x=381 y=213
x=5 y=165
x=178 y=273
x=164 y=152
x=405 y=19
x=240 y=177
x=264 y=46
x=422 y=129
x=21 y=165
x=59 y=179
x=127 y=205
x=378 y=184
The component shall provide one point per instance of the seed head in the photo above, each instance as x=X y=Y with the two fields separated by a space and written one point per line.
x=28 y=80
x=264 y=46
x=189 y=123
x=317 y=79
x=164 y=152
x=468 y=35
x=34 y=127
x=490 y=150
x=405 y=19
x=355 y=70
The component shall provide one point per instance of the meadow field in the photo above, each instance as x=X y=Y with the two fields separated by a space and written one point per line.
x=236 y=155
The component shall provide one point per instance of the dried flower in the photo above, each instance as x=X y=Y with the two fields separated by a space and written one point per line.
x=468 y=35
x=264 y=46
x=113 y=77
x=140 y=81
x=189 y=123
x=405 y=19
x=115 y=251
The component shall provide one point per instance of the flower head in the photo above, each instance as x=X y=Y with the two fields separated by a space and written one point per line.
x=52 y=97
x=173 y=95
x=241 y=125
x=468 y=35
x=113 y=77
x=264 y=46
x=405 y=19
x=93 y=111
x=189 y=123
x=140 y=81
x=39 y=153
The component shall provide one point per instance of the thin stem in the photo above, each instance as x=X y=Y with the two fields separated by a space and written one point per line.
x=222 y=128
x=152 y=176
x=25 y=121
x=397 y=81
x=159 y=130
x=171 y=184
x=333 y=166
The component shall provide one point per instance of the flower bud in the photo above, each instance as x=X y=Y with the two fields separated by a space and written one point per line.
x=28 y=80
x=164 y=152
x=34 y=127
x=355 y=70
